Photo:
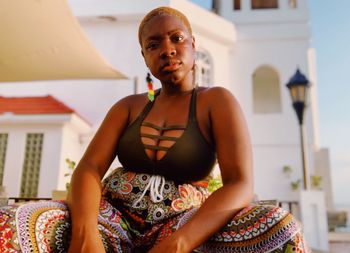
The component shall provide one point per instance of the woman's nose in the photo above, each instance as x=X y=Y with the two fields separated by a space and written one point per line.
x=168 y=49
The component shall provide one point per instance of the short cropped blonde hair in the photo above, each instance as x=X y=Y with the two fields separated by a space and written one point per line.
x=163 y=11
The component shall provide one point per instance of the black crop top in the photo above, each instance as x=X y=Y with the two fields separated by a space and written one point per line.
x=189 y=159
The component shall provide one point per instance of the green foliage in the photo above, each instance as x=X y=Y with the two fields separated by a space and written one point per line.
x=316 y=181
x=287 y=170
x=214 y=184
x=295 y=184
x=71 y=167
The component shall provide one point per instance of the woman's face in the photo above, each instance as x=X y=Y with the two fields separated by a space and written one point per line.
x=168 y=49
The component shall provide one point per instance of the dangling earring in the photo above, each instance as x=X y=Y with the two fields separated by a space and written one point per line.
x=150 y=87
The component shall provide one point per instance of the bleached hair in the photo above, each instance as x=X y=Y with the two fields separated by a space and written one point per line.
x=163 y=11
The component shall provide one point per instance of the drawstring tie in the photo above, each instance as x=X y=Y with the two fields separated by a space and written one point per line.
x=155 y=182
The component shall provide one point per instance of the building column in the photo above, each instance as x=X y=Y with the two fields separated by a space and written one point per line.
x=246 y=5
x=283 y=4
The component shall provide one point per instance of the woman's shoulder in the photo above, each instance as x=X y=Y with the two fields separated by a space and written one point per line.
x=126 y=106
x=131 y=101
x=216 y=94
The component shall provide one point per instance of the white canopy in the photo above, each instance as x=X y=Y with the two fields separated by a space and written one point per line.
x=42 y=40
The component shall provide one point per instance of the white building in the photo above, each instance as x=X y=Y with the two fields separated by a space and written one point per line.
x=250 y=47
x=37 y=134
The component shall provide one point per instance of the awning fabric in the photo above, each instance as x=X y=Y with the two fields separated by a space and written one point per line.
x=42 y=40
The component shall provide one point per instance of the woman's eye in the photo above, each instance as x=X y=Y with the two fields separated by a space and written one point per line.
x=178 y=38
x=151 y=46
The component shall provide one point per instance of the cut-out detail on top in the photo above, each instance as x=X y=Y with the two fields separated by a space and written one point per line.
x=172 y=127
x=160 y=129
x=161 y=137
x=154 y=147
x=190 y=158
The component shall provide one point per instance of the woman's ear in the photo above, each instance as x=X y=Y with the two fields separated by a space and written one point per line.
x=193 y=42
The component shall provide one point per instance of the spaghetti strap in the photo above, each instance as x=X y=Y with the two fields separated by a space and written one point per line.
x=192 y=113
x=148 y=107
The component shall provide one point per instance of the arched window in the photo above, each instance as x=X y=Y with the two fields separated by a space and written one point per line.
x=204 y=68
x=266 y=91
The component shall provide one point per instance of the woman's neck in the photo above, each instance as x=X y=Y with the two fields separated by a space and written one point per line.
x=178 y=89
x=172 y=91
x=175 y=95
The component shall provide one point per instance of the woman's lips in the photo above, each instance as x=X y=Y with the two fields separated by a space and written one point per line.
x=172 y=66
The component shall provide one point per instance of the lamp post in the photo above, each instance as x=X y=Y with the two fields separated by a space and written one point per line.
x=298 y=86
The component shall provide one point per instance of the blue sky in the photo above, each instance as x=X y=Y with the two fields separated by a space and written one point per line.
x=330 y=28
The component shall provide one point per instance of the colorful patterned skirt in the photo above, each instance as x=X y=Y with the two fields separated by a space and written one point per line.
x=130 y=220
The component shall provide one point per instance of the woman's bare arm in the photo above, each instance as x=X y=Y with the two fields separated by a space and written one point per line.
x=235 y=160
x=85 y=189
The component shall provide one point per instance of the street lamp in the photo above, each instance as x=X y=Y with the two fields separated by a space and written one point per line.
x=298 y=87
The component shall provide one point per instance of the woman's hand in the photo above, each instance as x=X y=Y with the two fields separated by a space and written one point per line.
x=86 y=242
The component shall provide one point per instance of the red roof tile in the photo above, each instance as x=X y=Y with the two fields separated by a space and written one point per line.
x=33 y=105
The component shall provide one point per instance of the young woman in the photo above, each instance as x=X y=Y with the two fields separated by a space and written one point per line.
x=167 y=142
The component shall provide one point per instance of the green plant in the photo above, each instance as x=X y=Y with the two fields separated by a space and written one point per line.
x=71 y=167
x=287 y=170
x=316 y=181
x=214 y=184
x=295 y=184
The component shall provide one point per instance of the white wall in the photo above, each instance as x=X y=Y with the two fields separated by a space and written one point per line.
x=52 y=148
x=14 y=158
x=323 y=169
x=270 y=181
x=72 y=148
